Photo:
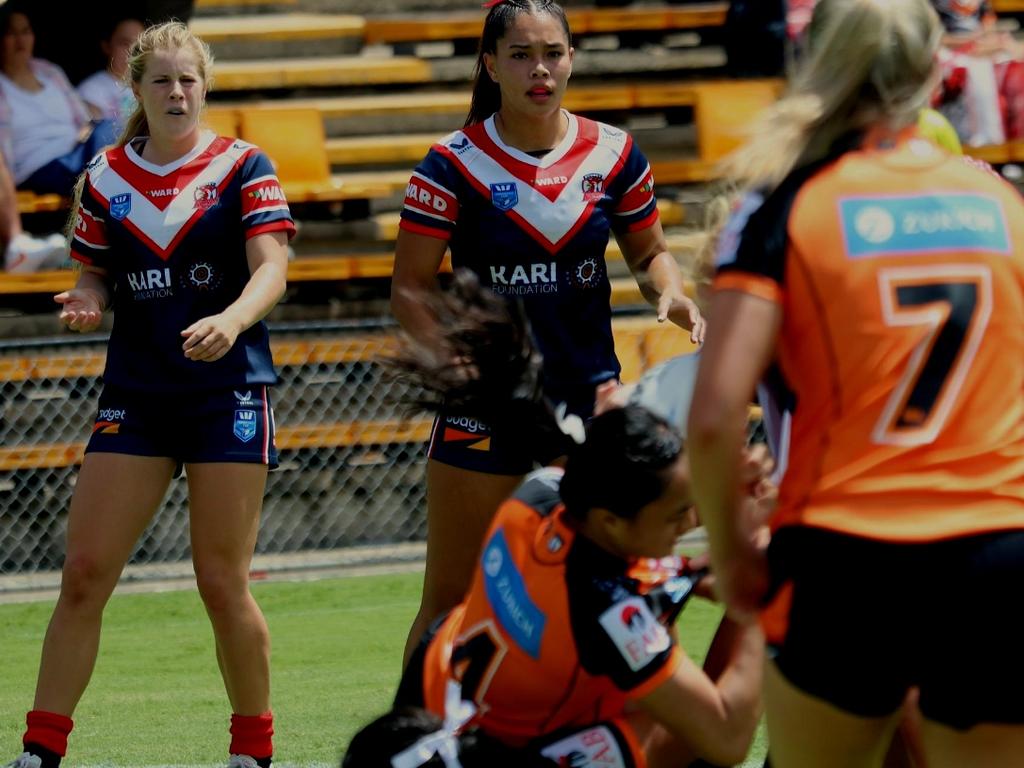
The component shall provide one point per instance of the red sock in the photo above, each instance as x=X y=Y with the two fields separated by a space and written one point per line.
x=48 y=730
x=252 y=735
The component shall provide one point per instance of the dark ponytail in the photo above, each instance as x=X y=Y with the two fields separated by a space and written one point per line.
x=485 y=358
x=486 y=93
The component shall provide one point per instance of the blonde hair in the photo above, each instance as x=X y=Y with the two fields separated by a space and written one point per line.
x=869 y=62
x=169 y=36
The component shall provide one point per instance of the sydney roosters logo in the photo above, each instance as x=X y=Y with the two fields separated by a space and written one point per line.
x=206 y=197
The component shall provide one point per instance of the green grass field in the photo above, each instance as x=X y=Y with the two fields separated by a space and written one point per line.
x=156 y=697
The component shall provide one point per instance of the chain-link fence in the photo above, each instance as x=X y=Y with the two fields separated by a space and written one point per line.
x=351 y=468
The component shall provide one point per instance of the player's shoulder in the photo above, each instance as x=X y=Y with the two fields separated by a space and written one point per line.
x=602 y=134
x=540 y=490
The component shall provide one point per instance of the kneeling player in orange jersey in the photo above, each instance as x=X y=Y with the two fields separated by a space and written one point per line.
x=569 y=617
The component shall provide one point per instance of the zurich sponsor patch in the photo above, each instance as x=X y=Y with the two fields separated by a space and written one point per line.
x=121 y=205
x=505 y=196
x=876 y=226
x=518 y=615
x=245 y=425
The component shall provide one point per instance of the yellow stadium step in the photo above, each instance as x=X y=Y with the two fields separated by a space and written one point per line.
x=410 y=148
x=579 y=98
x=462 y=25
x=321 y=71
x=277 y=26
x=29 y=202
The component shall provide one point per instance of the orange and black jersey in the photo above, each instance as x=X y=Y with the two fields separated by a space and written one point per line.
x=555 y=631
x=900 y=274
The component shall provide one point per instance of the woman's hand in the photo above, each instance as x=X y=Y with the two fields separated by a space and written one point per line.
x=81 y=309
x=683 y=311
x=210 y=338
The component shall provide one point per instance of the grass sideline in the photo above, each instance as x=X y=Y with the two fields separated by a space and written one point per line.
x=156 y=697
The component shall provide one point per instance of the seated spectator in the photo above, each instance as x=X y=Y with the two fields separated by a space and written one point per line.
x=107 y=92
x=46 y=134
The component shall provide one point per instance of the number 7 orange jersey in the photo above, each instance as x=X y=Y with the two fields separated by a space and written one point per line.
x=900 y=274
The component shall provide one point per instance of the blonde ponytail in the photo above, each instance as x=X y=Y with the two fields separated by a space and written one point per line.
x=869 y=62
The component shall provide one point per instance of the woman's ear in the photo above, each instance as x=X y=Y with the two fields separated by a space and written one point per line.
x=489 y=66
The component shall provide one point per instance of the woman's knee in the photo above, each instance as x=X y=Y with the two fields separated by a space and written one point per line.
x=87 y=582
x=222 y=586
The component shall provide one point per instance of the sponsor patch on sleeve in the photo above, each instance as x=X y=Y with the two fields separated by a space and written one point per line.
x=262 y=195
x=636 y=633
x=428 y=198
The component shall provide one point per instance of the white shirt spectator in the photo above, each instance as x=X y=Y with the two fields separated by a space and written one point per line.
x=38 y=127
x=111 y=97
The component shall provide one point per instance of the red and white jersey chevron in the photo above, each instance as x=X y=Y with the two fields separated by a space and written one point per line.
x=536 y=228
x=171 y=239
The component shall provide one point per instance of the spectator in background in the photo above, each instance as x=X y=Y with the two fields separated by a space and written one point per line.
x=69 y=38
x=21 y=251
x=982 y=74
x=46 y=132
x=107 y=92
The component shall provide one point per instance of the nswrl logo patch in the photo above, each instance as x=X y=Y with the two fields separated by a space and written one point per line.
x=120 y=205
x=245 y=425
x=505 y=196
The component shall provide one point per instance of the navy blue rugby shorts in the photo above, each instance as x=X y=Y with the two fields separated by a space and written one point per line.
x=514 y=447
x=858 y=622
x=231 y=425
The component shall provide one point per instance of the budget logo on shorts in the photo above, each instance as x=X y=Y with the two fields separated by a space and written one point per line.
x=505 y=196
x=245 y=425
x=120 y=205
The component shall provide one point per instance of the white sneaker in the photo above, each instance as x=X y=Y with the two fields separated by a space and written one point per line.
x=31 y=254
x=26 y=761
x=240 y=761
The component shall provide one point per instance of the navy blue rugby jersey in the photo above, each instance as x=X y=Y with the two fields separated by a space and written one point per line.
x=537 y=229
x=171 y=241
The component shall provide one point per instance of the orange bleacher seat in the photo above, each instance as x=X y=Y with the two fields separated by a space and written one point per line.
x=725 y=111
x=222 y=121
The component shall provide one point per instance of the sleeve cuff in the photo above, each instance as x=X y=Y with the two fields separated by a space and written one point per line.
x=745 y=282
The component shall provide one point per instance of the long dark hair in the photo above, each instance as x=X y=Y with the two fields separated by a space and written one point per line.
x=487 y=366
x=486 y=93
x=485 y=359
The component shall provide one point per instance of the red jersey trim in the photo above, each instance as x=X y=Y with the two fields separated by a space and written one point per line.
x=647 y=221
x=421 y=229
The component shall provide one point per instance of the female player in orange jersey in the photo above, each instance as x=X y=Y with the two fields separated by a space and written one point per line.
x=884 y=279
